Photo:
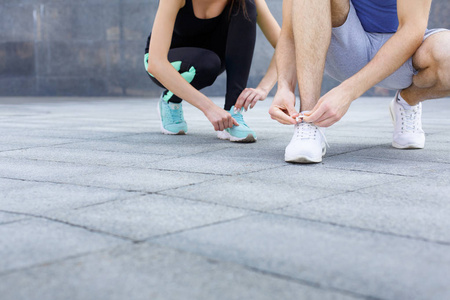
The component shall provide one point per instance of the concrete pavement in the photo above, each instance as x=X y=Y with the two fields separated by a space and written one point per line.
x=95 y=203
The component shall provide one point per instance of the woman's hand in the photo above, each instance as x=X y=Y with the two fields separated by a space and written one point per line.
x=220 y=118
x=249 y=97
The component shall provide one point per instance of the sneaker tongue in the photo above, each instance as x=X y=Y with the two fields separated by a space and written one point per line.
x=174 y=105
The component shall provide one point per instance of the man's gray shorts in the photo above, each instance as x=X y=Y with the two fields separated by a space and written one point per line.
x=352 y=48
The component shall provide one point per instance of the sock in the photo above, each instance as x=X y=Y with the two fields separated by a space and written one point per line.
x=169 y=97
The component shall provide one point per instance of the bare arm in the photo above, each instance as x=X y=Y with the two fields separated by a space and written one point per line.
x=413 y=20
x=267 y=22
x=160 y=67
x=271 y=30
x=282 y=108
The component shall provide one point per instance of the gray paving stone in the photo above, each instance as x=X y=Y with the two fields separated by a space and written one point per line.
x=19 y=142
x=152 y=272
x=147 y=216
x=61 y=133
x=156 y=143
x=10 y=184
x=36 y=242
x=8 y=218
x=414 y=207
x=87 y=157
x=43 y=198
x=146 y=180
x=420 y=155
x=253 y=193
x=218 y=162
x=365 y=263
x=321 y=177
x=368 y=221
x=383 y=165
x=40 y=170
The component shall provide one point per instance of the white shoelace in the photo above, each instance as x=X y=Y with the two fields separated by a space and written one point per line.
x=410 y=118
x=305 y=131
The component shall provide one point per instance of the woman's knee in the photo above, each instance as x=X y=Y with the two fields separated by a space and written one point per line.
x=208 y=67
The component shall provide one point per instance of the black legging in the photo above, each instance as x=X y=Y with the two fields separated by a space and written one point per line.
x=229 y=47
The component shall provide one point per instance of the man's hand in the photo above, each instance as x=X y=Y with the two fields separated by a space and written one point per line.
x=283 y=107
x=220 y=118
x=330 y=108
x=249 y=97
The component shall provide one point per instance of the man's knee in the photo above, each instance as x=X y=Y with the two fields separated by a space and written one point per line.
x=339 y=12
x=441 y=57
x=437 y=54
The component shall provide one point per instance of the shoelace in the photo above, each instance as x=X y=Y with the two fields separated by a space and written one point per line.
x=237 y=115
x=175 y=114
x=410 y=118
x=308 y=130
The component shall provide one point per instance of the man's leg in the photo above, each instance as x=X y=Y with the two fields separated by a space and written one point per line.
x=432 y=59
x=312 y=24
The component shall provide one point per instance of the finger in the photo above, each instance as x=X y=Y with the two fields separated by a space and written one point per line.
x=230 y=122
x=326 y=123
x=249 y=100
x=292 y=111
x=242 y=97
x=246 y=101
x=280 y=116
x=253 y=98
x=316 y=115
x=255 y=101
x=221 y=125
x=235 y=122
x=216 y=126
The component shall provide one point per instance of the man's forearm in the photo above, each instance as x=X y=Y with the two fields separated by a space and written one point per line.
x=285 y=62
x=413 y=20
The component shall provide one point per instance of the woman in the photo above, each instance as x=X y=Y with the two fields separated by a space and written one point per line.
x=192 y=42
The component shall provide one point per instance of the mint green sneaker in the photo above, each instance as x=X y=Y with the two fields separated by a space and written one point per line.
x=171 y=117
x=241 y=133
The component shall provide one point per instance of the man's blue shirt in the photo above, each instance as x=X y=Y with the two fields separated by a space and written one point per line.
x=377 y=15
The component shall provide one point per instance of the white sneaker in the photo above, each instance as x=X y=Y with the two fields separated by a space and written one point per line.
x=408 y=133
x=307 y=145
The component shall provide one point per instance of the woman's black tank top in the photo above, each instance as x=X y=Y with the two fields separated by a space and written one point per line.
x=188 y=25
x=195 y=31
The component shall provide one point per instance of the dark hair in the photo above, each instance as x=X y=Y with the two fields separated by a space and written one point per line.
x=242 y=6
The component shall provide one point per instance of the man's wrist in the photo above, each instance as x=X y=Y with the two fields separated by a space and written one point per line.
x=349 y=89
x=285 y=85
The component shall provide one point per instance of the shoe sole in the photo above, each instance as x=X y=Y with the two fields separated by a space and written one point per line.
x=306 y=159
x=163 y=130
x=223 y=135
x=409 y=146
x=396 y=145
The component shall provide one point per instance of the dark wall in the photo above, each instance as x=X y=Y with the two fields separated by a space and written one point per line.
x=95 y=47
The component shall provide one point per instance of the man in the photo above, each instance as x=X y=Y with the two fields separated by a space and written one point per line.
x=362 y=43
